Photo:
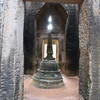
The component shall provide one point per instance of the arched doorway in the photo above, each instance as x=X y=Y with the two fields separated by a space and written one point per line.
x=11 y=68
x=49 y=20
x=43 y=27
x=65 y=35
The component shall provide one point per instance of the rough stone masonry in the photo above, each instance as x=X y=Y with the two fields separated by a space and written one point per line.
x=89 y=36
x=11 y=49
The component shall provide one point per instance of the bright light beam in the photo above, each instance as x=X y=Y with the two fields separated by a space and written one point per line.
x=50 y=27
x=50 y=19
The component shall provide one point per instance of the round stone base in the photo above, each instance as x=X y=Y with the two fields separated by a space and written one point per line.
x=48 y=80
x=48 y=75
x=48 y=84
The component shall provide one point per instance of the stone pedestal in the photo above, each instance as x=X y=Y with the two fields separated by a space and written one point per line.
x=48 y=75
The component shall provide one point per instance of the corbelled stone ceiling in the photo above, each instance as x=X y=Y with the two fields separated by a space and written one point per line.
x=61 y=1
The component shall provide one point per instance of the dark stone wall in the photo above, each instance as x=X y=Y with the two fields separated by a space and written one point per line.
x=1 y=29
x=72 y=38
x=28 y=42
x=31 y=9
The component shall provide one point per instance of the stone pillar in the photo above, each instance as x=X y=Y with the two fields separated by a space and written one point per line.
x=84 y=55
x=94 y=49
x=1 y=28
x=90 y=50
x=11 y=49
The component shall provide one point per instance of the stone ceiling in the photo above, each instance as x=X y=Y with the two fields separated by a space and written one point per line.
x=61 y=1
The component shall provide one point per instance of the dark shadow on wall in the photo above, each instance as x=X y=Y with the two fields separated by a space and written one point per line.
x=72 y=43
x=28 y=43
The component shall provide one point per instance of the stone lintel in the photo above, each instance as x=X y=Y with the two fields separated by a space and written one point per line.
x=60 y=1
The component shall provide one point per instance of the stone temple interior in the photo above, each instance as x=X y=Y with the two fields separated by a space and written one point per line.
x=49 y=49
x=61 y=22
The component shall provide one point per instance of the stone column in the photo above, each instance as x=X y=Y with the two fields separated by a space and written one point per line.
x=84 y=55
x=90 y=50
x=94 y=49
x=11 y=49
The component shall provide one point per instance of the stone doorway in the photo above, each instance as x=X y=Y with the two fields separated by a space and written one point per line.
x=55 y=45
x=11 y=50
x=67 y=35
x=60 y=40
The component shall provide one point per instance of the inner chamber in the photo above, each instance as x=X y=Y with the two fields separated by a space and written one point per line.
x=52 y=18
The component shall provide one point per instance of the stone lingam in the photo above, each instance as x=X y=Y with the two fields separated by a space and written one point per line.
x=48 y=75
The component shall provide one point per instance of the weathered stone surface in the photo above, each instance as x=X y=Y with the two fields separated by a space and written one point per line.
x=11 y=49
x=90 y=50
x=94 y=22
x=1 y=27
x=84 y=56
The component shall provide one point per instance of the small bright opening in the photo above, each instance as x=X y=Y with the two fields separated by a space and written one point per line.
x=54 y=50
x=50 y=19
x=50 y=27
x=45 y=50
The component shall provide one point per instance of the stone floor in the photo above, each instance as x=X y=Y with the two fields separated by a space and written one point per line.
x=70 y=91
